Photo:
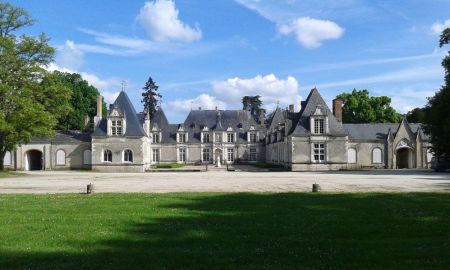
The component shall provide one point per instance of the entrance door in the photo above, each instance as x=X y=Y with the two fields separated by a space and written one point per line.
x=218 y=155
x=33 y=160
x=403 y=158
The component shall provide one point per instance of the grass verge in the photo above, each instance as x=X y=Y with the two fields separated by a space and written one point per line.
x=7 y=174
x=170 y=166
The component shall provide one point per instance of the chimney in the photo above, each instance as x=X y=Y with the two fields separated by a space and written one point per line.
x=262 y=116
x=98 y=117
x=337 y=109
x=291 y=108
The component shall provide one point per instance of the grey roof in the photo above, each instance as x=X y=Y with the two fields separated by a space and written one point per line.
x=313 y=100
x=377 y=131
x=64 y=137
x=133 y=124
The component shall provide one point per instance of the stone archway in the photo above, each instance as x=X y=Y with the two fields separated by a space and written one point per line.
x=404 y=158
x=34 y=160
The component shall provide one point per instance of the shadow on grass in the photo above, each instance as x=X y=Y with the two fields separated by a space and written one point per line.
x=236 y=231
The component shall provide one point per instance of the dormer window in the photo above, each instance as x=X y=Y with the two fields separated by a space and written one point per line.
x=319 y=126
x=205 y=137
x=156 y=138
x=116 y=127
x=181 y=137
x=230 y=137
x=252 y=137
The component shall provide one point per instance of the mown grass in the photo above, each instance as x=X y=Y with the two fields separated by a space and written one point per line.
x=225 y=231
x=7 y=174
x=170 y=166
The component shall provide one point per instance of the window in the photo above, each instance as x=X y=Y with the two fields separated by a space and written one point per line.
x=87 y=157
x=252 y=156
x=319 y=152
x=253 y=137
x=230 y=137
x=230 y=154
x=429 y=155
x=351 y=155
x=182 y=154
x=205 y=155
x=206 y=137
x=319 y=126
x=376 y=155
x=128 y=155
x=7 y=159
x=107 y=156
x=116 y=127
x=156 y=137
x=218 y=137
x=156 y=155
x=181 y=137
x=60 y=157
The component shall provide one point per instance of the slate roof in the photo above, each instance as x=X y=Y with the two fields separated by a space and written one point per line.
x=65 y=137
x=133 y=124
x=377 y=131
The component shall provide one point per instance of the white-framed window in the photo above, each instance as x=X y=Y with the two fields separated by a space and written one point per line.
x=205 y=155
x=182 y=154
x=87 y=157
x=252 y=137
x=116 y=127
x=351 y=155
x=205 y=138
x=107 y=156
x=319 y=126
x=181 y=137
x=127 y=155
x=218 y=137
x=7 y=159
x=230 y=154
x=377 y=156
x=156 y=155
x=60 y=157
x=156 y=138
x=429 y=155
x=230 y=137
x=252 y=155
x=318 y=152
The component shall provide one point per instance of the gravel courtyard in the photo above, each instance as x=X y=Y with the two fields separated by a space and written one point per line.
x=222 y=181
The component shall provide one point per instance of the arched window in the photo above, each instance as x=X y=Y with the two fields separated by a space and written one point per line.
x=376 y=155
x=107 y=156
x=128 y=155
x=60 y=157
x=7 y=159
x=87 y=157
x=351 y=155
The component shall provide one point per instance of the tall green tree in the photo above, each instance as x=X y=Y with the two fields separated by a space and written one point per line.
x=252 y=104
x=150 y=97
x=437 y=110
x=83 y=101
x=360 y=107
x=416 y=115
x=30 y=102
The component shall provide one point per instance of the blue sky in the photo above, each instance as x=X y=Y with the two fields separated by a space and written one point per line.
x=211 y=53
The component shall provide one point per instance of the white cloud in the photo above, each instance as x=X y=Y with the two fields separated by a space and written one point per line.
x=70 y=55
x=205 y=101
x=438 y=27
x=410 y=97
x=311 y=32
x=160 y=19
x=271 y=89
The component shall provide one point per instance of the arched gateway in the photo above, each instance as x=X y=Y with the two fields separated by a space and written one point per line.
x=34 y=160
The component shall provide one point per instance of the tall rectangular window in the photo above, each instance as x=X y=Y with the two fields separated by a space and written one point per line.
x=116 y=127
x=156 y=137
x=181 y=137
x=319 y=152
x=253 y=137
x=319 y=126
x=230 y=137
x=206 y=137
x=218 y=137
x=182 y=154
x=230 y=154
x=205 y=154
x=156 y=155
x=252 y=156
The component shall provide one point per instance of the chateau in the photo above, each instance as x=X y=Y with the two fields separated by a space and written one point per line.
x=313 y=138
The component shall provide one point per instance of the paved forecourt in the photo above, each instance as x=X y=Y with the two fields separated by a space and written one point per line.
x=223 y=181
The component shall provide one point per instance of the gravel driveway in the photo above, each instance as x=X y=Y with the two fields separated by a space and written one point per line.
x=222 y=181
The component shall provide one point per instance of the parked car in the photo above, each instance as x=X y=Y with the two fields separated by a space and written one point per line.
x=440 y=164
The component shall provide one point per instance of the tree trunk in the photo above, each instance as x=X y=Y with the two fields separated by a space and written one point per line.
x=2 y=156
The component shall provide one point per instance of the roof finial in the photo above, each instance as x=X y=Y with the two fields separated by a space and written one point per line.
x=124 y=85
x=278 y=103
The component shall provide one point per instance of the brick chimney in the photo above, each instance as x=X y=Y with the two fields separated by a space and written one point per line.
x=262 y=116
x=291 y=108
x=337 y=109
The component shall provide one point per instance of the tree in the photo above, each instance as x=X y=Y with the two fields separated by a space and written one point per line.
x=437 y=110
x=83 y=101
x=150 y=97
x=359 y=107
x=416 y=115
x=30 y=102
x=252 y=104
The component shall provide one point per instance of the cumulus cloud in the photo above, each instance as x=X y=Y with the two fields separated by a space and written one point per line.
x=271 y=89
x=70 y=55
x=438 y=27
x=205 y=101
x=311 y=32
x=160 y=19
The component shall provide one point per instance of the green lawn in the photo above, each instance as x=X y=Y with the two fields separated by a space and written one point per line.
x=170 y=166
x=225 y=231
x=6 y=174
